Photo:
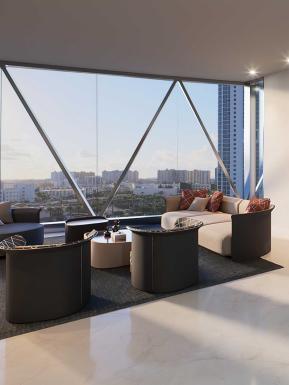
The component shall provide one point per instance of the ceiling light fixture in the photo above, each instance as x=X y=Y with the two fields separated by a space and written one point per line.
x=252 y=72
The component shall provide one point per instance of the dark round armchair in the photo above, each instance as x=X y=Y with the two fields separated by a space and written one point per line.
x=47 y=282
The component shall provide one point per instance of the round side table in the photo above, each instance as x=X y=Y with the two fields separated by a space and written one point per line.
x=107 y=254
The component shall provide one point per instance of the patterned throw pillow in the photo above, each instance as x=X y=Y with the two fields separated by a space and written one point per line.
x=12 y=242
x=258 y=204
x=199 y=204
x=215 y=201
x=188 y=196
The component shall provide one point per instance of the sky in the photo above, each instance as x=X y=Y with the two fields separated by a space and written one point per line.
x=96 y=121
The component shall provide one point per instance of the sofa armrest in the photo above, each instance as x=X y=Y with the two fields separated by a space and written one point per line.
x=26 y=215
x=172 y=203
x=251 y=235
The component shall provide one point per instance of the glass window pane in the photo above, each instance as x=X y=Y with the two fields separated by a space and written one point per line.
x=125 y=108
x=95 y=123
x=221 y=107
x=27 y=164
x=175 y=155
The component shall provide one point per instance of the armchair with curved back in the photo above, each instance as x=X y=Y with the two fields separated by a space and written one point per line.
x=75 y=228
x=47 y=282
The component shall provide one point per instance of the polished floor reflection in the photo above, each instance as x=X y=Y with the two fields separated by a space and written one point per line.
x=234 y=333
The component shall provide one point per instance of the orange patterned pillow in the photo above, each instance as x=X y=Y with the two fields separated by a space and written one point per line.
x=258 y=204
x=215 y=201
x=188 y=196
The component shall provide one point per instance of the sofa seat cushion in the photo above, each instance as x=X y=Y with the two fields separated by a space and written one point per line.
x=217 y=217
x=33 y=233
x=217 y=237
x=169 y=219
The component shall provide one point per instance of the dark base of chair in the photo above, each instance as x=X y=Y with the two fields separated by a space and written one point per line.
x=164 y=263
x=45 y=284
x=251 y=235
x=249 y=256
x=22 y=319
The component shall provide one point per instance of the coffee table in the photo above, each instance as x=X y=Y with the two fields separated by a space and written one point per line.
x=107 y=254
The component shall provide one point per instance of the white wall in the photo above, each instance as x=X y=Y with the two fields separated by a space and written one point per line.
x=276 y=148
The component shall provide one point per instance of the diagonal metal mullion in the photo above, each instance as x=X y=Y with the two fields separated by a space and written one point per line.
x=259 y=183
x=219 y=159
x=138 y=147
x=48 y=142
x=1 y=106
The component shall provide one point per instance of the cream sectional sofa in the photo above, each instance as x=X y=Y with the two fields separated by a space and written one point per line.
x=230 y=231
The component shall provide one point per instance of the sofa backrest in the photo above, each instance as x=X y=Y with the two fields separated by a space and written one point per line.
x=230 y=205
x=243 y=205
x=173 y=203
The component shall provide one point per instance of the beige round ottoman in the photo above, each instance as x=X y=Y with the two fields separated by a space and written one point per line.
x=107 y=254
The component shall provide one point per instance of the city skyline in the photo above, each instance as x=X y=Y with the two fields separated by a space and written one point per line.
x=55 y=196
x=152 y=177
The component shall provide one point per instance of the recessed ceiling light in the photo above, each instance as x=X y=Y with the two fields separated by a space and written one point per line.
x=252 y=72
x=285 y=58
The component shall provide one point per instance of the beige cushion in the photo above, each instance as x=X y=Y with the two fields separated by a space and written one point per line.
x=230 y=205
x=173 y=203
x=216 y=217
x=243 y=205
x=217 y=237
x=5 y=212
x=199 y=204
x=169 y=219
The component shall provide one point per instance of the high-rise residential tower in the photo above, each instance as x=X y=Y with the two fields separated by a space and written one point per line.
x=259 y=138
x=231 y=136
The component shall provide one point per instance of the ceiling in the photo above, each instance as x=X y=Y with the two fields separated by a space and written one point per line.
x=205 y=39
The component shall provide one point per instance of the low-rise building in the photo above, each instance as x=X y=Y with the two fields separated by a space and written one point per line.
x=114 y=175
x=60 y=193
x=18 y=192
x=156 y=189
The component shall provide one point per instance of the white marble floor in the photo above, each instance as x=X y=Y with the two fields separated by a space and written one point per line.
x=231 y=334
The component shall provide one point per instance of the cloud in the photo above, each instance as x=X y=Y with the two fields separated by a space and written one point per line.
x=9 y=153
x=87 y=154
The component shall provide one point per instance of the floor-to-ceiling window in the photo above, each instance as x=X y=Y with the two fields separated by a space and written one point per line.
x=95 y=122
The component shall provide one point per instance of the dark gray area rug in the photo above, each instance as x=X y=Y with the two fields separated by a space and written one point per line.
x=112 y=290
